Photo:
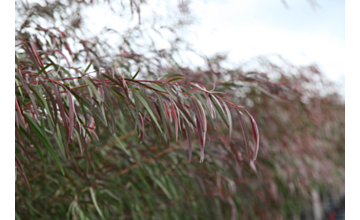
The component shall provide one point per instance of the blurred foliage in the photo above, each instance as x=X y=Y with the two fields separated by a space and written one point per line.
x=97 y=122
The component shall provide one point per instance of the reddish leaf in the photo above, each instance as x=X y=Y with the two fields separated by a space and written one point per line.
x=167 y=110
x=71 y=114
x=185 y=113
x=53 y=102
x=19 y=110
x=204 y=121
x=32 y=57
x=61 y=107
x=230 y=123
x=256 y=136
x=210 y=106
x=64 y=57
x=68 y=48
x=25 y=86
x=17 y=120
x=245 y=133
x=255 y=133
x=37 y=56
x=199 y=127
x=175 y=120
x=17 y=161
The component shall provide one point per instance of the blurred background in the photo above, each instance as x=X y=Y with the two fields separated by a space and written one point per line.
x=303 y=32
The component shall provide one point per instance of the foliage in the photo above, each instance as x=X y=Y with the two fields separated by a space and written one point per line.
x=137 y=135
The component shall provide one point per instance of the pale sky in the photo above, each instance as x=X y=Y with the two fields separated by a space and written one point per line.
x=302 y=34
x=245 y=29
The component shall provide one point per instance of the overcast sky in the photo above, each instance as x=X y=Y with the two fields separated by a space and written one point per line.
x=300 y=33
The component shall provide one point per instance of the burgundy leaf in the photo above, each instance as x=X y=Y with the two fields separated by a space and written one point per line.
x=17 y=161
x=245 y=133
x=211 y=108
x=25 y=86
x=17 y=120
x=204 y=121
x=230 y=123
x=37 y=56
x=68 y=48
x=64 y=57
x=31 y=55
x=199 y=124
x=61 y=107
x=19 y=111
x=255 y=131
x=255 y=134
x=175 y=120
x=53 y=102
x=71 y=114
x=183 y=110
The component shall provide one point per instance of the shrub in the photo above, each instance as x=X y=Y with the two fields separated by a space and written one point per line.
x=104 y=131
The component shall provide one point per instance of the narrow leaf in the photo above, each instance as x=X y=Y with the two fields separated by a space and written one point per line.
x=188 y=136
x=93 y=197
x=148 y=109
x=170 y=75
x=71 y=114
x=19 y=111
x=175 y=79
x=245 y=133
x=61 y=107
x=175 y=120
x=200 y=128
x=135 y=74
x=22 y=131
x=255 y=131
x=87 y=68
x=230 y=123
x=43 y=140
x=17 y=161
x=219 y=109
x=25 y=86
x=210 y=106
x=67 y=61
x=204 y=121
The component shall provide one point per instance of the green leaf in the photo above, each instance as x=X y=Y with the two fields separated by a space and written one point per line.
x=175 y=79
x=164 y=117
x=22 y=130
x=147 y=108
x=159 y=87
x=120 y=143
x=39 y=134
x=136 y=118
x=87 y=68
x=43 y=69
x=135 y=74
x=93 y=197
x=170 y=75
x=219 y=109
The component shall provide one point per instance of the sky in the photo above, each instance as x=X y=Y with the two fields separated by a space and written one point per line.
x=301 y=33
